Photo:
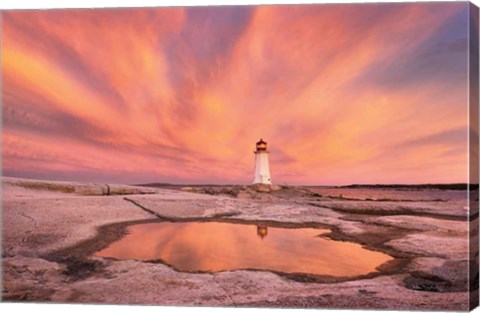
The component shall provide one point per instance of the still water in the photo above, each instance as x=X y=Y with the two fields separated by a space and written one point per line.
x=215 y=246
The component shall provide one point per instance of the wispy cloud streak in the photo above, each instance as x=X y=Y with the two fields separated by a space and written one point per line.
x=372 y=93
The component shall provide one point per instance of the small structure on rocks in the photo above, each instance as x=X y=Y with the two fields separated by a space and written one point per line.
x=262 y=168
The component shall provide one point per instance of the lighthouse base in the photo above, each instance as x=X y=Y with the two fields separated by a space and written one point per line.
x=262 y=168
x=266 y=188
x=263 y=181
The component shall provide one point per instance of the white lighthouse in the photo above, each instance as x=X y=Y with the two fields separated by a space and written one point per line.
x=262 y=169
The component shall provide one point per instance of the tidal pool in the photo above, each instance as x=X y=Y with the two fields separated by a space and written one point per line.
x=216 y=246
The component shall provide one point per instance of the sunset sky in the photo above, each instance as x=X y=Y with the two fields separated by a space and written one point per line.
x=370 y=93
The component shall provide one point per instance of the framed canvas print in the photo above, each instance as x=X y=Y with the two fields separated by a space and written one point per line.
x=280 y=156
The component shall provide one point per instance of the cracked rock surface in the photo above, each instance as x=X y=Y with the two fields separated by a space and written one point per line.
x=52 y=229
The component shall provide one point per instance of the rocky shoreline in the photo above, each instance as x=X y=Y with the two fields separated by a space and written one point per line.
x=51 y=231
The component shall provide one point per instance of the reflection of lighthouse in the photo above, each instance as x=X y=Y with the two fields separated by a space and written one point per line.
x=262 y=231
x=262 y=169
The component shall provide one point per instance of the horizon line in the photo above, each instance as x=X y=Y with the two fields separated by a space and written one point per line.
x=248 y=184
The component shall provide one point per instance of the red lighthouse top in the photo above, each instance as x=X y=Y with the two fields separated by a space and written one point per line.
x=261 y=145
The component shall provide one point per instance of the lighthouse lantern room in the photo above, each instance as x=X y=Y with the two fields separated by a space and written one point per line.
x=262 y=168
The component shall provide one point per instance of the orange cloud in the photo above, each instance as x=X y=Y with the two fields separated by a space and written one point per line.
x=340 y=92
